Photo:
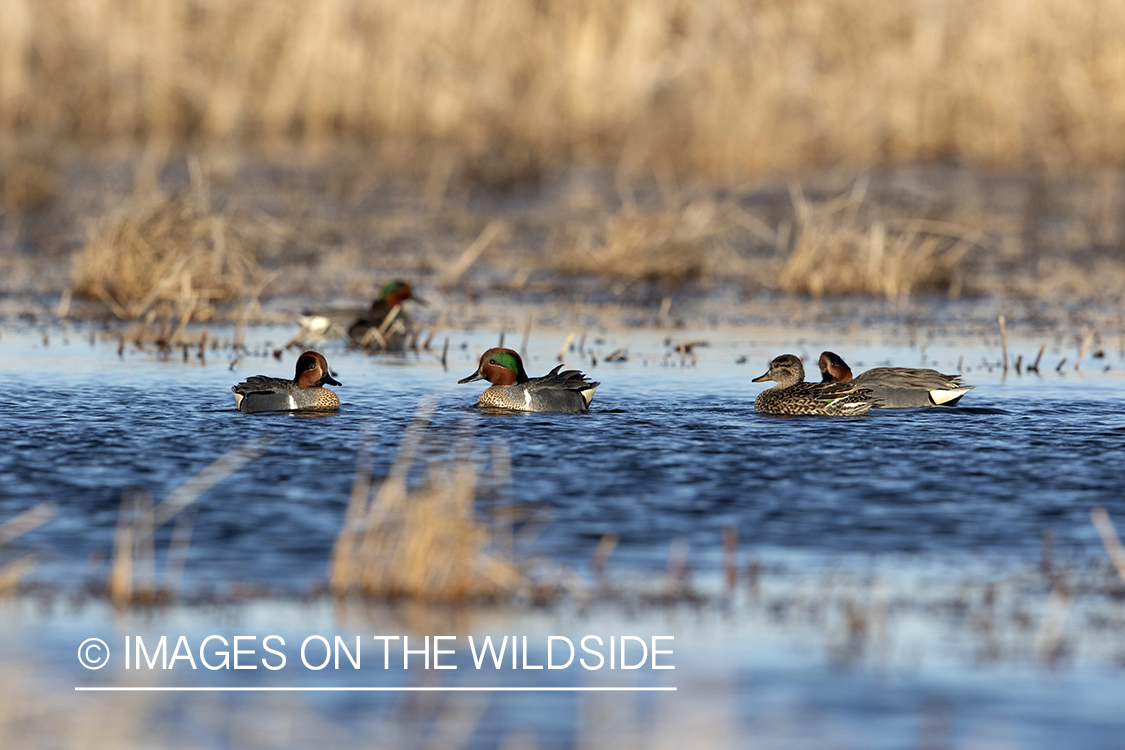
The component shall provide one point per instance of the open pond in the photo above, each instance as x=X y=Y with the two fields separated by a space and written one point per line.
x=670 y=448
x=672 y=452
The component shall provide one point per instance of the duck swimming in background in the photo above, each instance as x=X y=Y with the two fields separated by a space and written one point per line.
x=568 y=391
x=384 y=325
x=305 y=392
x=792 y=396
x=897 y=387
x=387 y=324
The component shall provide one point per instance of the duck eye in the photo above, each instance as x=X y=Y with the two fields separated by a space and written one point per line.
x=491 y=361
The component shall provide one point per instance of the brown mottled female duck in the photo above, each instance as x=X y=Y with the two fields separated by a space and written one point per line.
x=792 y=396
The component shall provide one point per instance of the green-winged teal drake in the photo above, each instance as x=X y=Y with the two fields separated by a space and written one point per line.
x=305 y=392
x=792 y=396
x=568 y=391
x=384 y=325
x=897 y=387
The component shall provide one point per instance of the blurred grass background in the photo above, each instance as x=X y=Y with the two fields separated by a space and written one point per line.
x=200 y=152
x=716 y=88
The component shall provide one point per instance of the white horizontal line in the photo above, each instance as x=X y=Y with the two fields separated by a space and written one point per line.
x=374 y=689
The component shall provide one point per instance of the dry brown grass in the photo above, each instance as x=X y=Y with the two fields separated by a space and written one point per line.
x=174 y=249
x=841 y=248
x=28 y=180
x=670 y=246
x=424 y=543
x=719 y=87
x=838 y=246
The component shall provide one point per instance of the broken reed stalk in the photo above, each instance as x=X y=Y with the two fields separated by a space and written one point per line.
x=675 y=575
x=132 y=577
x=1004 y=342
x=227 y=464
x=21 y=523
x=502 y=482
x=133 y=549
x=1085 y=345
x=343 y=551
x=390 y=319
x=730 y=557
x=601 y=555
x=1039 y=356
x=1110 y=539
x=177 y=553
x=565 y=346
x=13 y=573
x=436 y=327
x=1049 y=636
x=470 y=254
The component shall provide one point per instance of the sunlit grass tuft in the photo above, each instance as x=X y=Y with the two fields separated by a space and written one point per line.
x=168 y=249
x=841 y=248
x=671 y=246
x=420 y=543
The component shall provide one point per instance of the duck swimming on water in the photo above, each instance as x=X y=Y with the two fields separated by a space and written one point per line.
x=305 y=392
x=792 y=396
x=897 y=387
x=384 y=325
x=567 y=391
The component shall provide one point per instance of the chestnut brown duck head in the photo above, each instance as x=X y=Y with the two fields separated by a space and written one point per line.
x=833 y=368
x=499 y=367
x=395 y=293
x=305 y=391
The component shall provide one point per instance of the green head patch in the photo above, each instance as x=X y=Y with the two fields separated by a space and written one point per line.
x=507 y=359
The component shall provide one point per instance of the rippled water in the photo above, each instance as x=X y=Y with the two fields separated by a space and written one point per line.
x=670 y=449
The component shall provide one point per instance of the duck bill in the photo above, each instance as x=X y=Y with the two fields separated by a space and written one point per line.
x=418 y=300
x=762 y=377
x=475 y=376
x=329 y=380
